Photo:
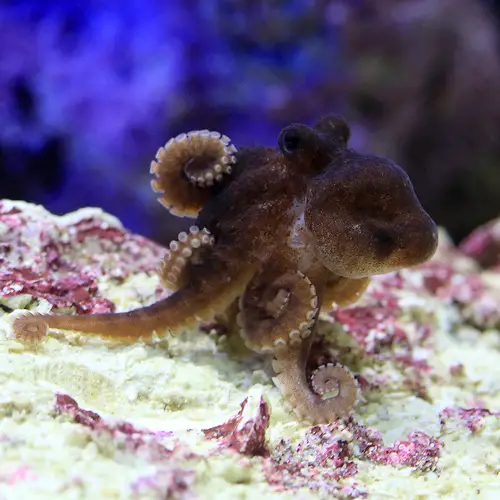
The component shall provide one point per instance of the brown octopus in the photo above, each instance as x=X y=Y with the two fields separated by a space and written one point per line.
x=280 y=233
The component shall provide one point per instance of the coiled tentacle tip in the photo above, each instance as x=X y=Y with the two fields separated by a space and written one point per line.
x=277 y=313
x=334 y=381
x=218 y=160
x=180 y=253
x=29 y=329
x=187 y=166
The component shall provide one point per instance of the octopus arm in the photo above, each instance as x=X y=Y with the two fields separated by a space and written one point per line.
x=217 y=285
x=278 y=313
x=276 y=310
x=342 y=291
x=331 y=393
x=188 y=169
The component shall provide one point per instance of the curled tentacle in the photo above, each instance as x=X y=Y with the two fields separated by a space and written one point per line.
x=277 y=312
x=187 y=166
x=331 y=393
x=334 y=380
x=30 y=329
x=173 y=271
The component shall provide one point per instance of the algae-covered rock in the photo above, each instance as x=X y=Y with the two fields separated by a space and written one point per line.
x=197 y=415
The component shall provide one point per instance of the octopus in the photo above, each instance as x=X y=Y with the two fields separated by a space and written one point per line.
x=280 y=234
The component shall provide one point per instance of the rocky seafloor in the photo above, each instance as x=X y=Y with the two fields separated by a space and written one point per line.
x=197 y=415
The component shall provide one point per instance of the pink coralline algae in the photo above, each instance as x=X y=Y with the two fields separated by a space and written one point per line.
x=377 y=324
x=324 y=446
x=444 y=282
x=478 y=302
x=328 y=455
x=472 y=419
x=61 y=259
x=21 y=474
x=172 y=484
x=382 y=334
x=483 y=244
x=373 y=328
x=420 y=451
x=66 y=405
x=73 y=290
x=244 y=435
x=161 y=449
x=321 y=460
x=154 y=446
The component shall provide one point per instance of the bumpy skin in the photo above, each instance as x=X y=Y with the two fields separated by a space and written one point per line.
x=286 y=231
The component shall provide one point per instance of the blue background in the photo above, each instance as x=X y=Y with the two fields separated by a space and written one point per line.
x=89 y=90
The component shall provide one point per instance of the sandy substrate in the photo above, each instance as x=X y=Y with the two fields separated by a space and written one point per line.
x=197 y=416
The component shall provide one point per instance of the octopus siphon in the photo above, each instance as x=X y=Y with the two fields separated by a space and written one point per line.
x=280 y=233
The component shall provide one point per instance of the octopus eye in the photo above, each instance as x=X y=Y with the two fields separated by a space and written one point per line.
x=293 y=138
x=291 y=142
x=385 y=242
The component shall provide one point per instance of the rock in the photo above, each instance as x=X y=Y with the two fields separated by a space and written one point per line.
x=483 y=245
x=193 y=416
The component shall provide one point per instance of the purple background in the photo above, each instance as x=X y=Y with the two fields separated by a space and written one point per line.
x=89 y=90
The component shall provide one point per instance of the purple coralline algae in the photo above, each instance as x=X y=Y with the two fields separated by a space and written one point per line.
x=483 y=244
x=62 y=259
x=472 y=419
x=159 y=448
x=244 y=435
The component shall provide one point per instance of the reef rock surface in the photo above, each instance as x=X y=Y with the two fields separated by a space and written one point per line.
x=197 y=416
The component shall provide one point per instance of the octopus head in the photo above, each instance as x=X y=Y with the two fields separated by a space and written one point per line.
x=364 y=217
x=312 y=149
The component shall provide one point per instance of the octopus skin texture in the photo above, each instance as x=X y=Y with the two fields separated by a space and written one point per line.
x=279 y=234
